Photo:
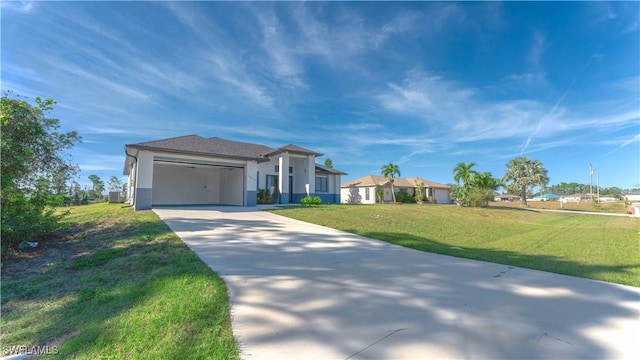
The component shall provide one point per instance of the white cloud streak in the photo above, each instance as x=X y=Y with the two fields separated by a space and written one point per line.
x=454 y=113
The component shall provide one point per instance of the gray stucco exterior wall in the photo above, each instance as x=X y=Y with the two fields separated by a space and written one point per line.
x=143 y=199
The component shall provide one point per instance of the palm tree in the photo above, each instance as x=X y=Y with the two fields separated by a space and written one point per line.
x=389 y=171
x=485 y=181
x=464 y=172
x=524 y=173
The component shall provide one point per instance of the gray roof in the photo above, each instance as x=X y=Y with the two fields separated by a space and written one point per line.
x=293 y=149
x=215 y=146
x=194 y=144
x=328 y=170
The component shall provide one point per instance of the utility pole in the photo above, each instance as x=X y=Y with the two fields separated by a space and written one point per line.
x=591 y=182
x=598 y=185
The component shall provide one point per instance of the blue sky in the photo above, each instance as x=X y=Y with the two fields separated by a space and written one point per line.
x=421 y=84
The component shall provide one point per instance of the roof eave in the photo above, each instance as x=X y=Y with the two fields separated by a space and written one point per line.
x=174 y=151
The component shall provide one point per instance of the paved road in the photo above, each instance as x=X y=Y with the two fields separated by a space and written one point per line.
x=302 y=291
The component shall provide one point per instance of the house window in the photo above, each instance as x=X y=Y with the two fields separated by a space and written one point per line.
x=277 y=168
x=272 y=181
x=290 y=169
x=322 y=184
x=366 y=194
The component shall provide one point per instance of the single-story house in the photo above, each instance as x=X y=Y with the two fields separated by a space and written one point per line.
x=192 y=170
x=546 y=197
x=571 y=198
x=506 y=197
x=363 y=190
x=632 y=197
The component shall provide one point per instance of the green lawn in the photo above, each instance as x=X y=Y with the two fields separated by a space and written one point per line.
x=596 y=247
x=117 y=284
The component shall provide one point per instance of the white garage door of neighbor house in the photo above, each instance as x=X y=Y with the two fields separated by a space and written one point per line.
x=442 y=196
x=193 y=184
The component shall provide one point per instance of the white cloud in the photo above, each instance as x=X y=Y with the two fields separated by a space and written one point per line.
x=454 y=113
x=18 y=6
x=231 y=71
x=634 y=139
x=283 y=64
x=536 y=52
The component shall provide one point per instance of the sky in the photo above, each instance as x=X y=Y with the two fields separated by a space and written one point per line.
x=424 y=85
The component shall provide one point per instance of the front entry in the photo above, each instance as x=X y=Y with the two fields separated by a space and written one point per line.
x=290 y=189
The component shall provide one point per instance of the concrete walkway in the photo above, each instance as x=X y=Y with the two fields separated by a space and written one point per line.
x=302 y=291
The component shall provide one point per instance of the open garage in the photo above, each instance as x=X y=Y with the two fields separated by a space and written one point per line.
x=181 y=183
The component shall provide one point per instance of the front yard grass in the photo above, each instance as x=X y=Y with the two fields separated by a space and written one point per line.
x=597 y=247
x=118 y=284
x=616 y=207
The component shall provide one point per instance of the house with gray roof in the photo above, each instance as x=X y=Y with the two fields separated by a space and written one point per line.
x=193 y=170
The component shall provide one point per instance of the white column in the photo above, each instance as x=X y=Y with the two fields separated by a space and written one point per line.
x=283 y=178
x=311 y=174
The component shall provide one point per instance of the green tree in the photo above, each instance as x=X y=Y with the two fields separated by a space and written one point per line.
x=328 y=163
x=97 y=186
x=464 y=172
x=34 y=164
x=115 y=184
x=390 y=171
x=420 y=192
x=524 y=174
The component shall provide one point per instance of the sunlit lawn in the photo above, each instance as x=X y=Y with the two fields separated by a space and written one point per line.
x=120 y=284
x=596 y=247
x=617 y=207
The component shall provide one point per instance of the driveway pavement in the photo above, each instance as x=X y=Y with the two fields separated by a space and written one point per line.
x=302 y=291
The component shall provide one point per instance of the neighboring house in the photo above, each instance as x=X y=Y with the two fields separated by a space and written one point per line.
x=506 y=197
x=570 y=198
x=192 y=170
x=632 y=197
x=546 y=197
x=363 y=190
x=582 y=197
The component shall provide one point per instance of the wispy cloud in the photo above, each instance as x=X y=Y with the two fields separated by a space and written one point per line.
x=18 y=6
x=459 y=114
x=283 y=65
x=537 y=49
x=90 y=161
x=634 y=139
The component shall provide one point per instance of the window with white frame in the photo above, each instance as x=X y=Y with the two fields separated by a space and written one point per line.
x=322 y=184
x=366 y=193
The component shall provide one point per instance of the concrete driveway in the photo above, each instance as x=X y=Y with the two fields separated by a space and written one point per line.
x=302 y=291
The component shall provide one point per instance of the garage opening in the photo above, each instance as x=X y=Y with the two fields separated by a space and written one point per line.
x=183 y=183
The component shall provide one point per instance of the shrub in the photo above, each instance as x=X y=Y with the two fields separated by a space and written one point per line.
x=264 y=196
x=308 y=200
x=404 y=197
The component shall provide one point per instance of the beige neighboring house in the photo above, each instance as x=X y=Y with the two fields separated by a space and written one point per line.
x=363 y=190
